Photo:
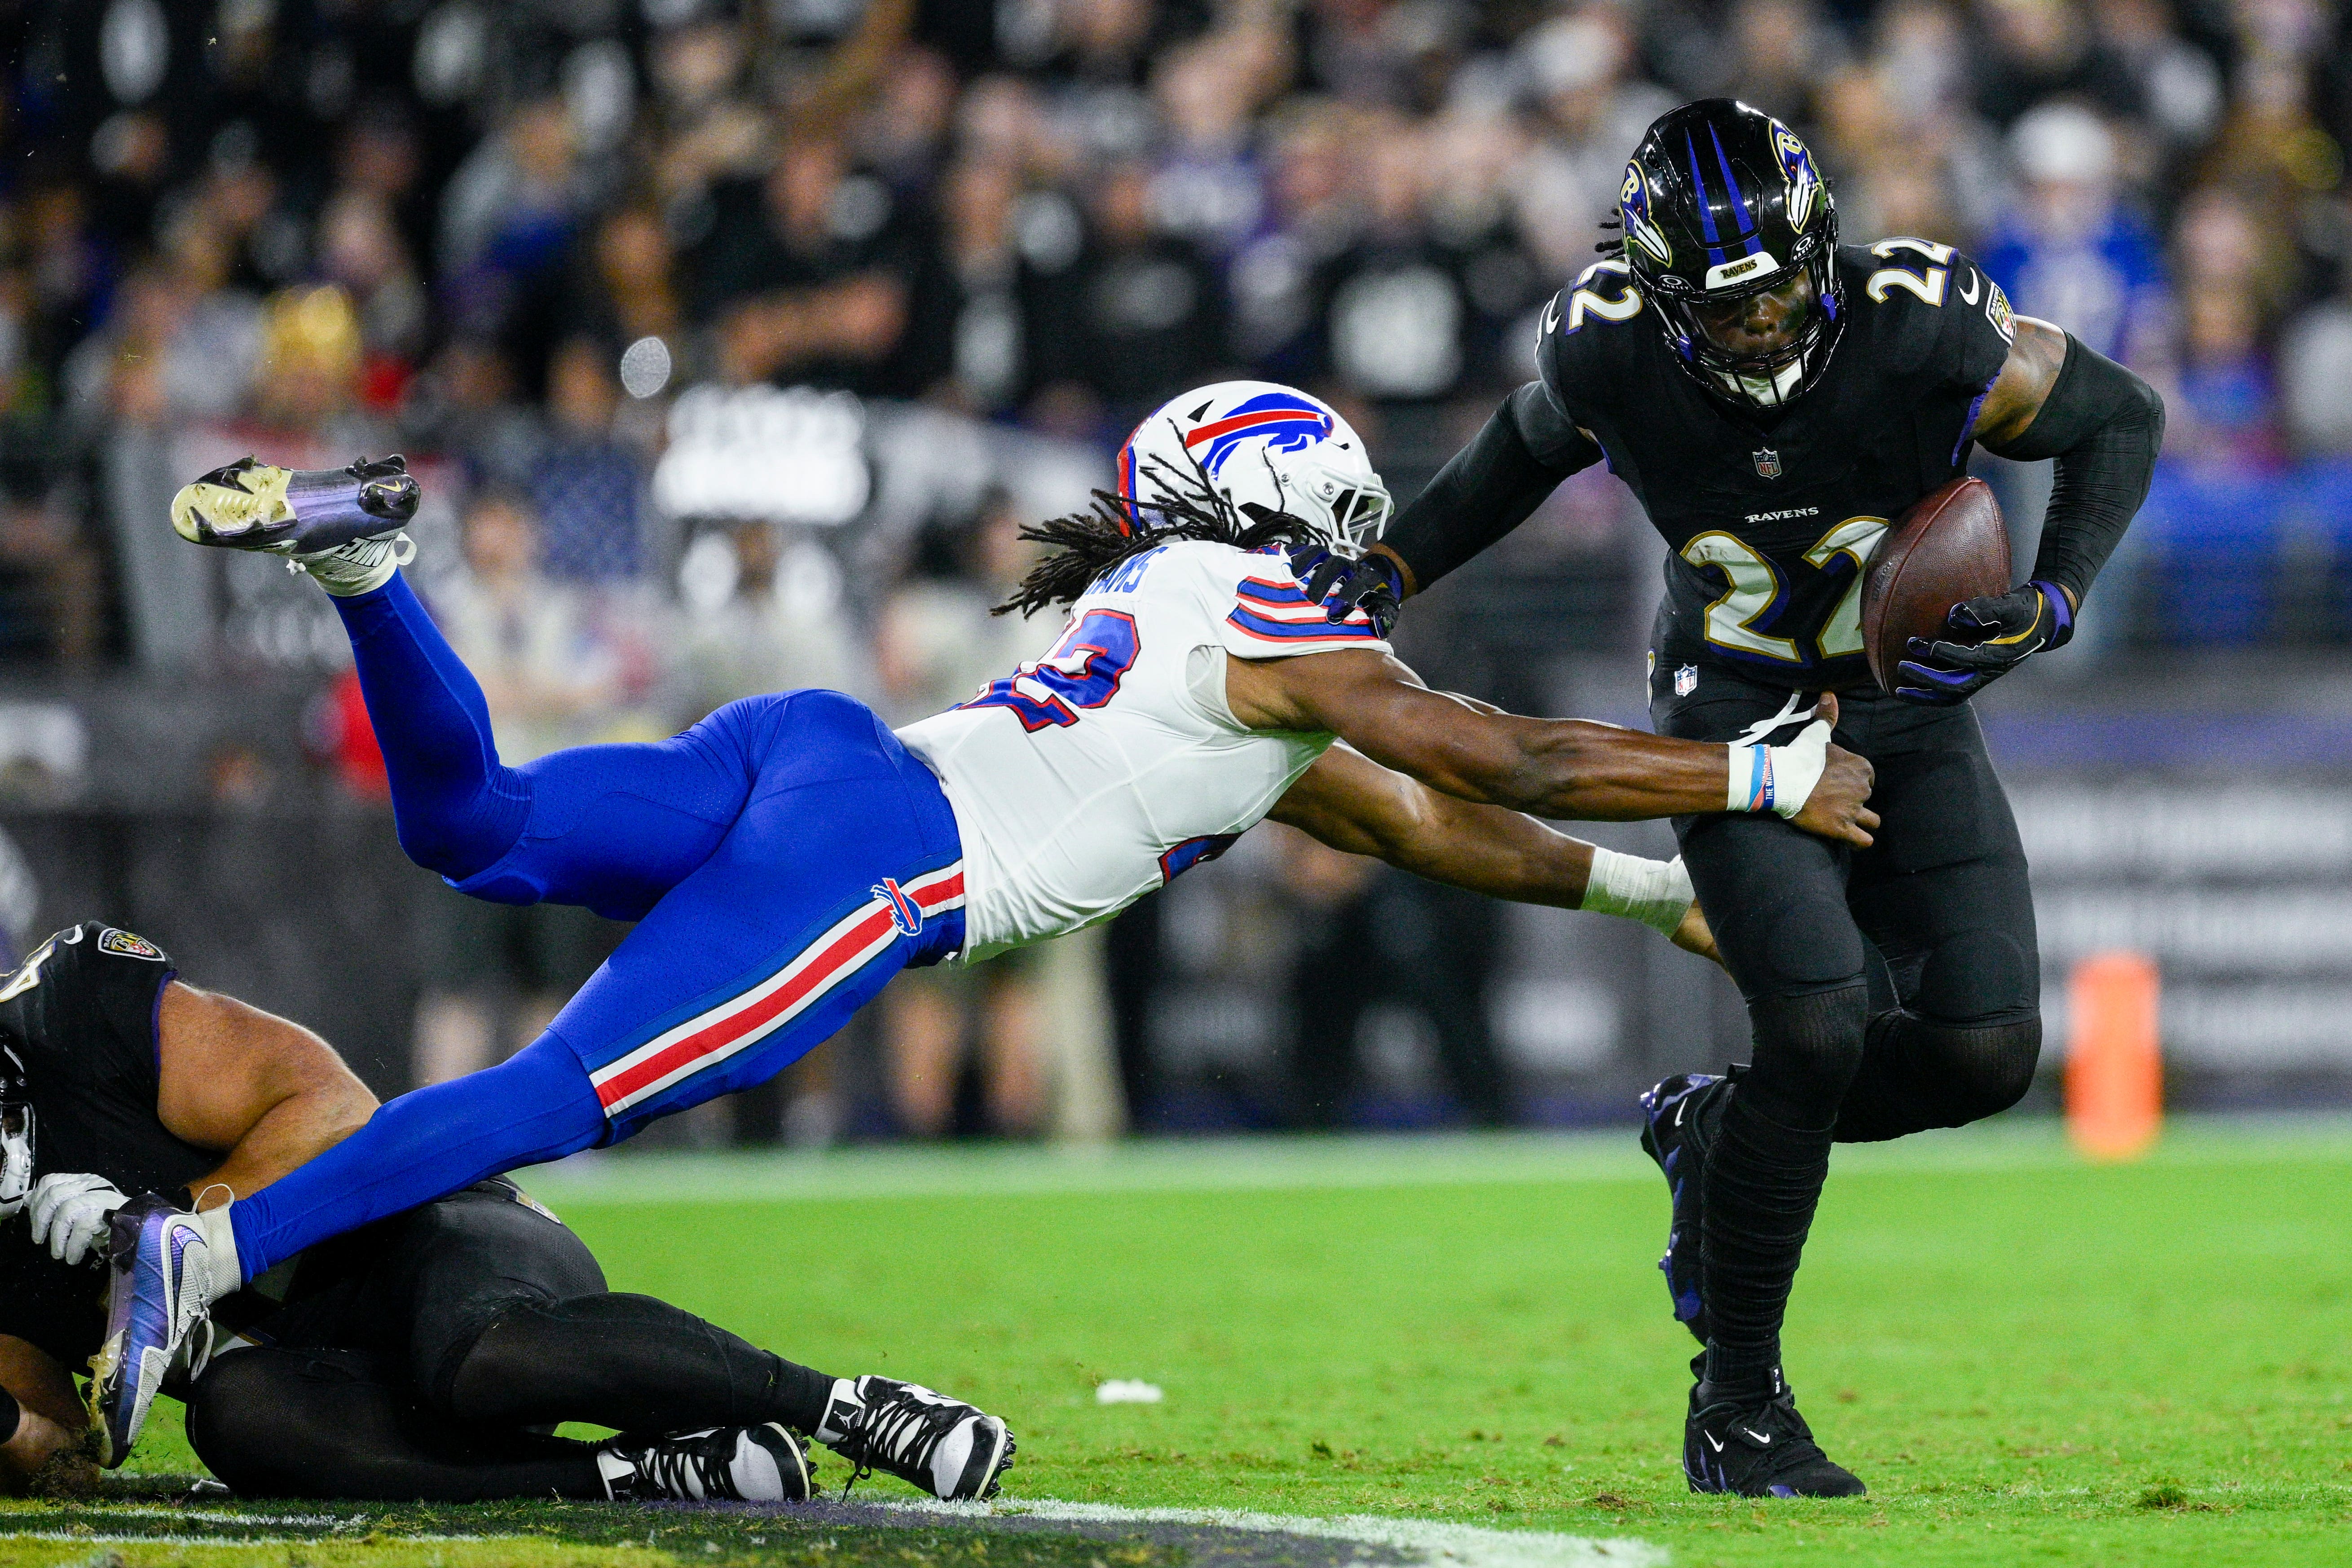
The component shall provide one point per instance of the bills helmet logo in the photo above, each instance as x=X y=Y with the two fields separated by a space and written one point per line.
x=1284 y=421
x=905 y=913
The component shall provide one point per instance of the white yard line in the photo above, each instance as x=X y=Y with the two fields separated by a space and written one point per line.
x=1420 y=1540
x=1426 y=1542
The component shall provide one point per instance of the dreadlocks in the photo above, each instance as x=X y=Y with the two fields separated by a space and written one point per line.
x=1089 y=543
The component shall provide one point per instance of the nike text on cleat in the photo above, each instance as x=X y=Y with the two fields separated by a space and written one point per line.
x=250 y=505
x=162 y=1275
x=1756 y=1445
x=744 y=1464
x=947 y=1447
x=1673 y=1133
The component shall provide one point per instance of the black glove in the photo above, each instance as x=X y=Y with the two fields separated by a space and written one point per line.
x=1343 y=584
x=1990 y=637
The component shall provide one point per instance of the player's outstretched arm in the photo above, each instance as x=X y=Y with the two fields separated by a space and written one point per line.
x=1557 y=768
x=268 y=1094
x=1356 y=806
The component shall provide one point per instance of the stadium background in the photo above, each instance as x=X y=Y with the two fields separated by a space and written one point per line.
x=734 y=341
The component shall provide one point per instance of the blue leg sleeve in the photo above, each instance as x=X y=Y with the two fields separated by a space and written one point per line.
x=612 y=827
x=536 y=1106
x=456 y=807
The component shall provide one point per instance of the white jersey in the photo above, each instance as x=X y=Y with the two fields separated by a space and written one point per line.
x=1112 y=765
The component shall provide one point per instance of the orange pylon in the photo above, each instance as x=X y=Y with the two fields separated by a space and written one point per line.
x=2114 y=1065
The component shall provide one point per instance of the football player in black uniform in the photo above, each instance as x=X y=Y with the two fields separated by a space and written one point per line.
x=410 y=1359
x=1774 y=398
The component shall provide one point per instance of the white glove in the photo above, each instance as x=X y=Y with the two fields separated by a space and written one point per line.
x=71 y=1211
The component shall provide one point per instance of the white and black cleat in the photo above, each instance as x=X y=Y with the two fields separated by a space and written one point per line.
x=252 y=505
x=738 y=1464
x=950 y=1449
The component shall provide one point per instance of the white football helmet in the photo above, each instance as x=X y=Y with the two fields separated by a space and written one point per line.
x=1265 y=447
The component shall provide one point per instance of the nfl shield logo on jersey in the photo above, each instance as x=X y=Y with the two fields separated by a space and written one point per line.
x=1767 y=462
x=1686 y=680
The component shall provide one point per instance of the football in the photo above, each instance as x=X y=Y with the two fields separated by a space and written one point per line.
x=1951 y=546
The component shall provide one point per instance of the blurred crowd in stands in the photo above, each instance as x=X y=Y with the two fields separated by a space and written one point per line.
x=909 y=269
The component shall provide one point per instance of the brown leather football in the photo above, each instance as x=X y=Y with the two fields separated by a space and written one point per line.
x=1950 y=546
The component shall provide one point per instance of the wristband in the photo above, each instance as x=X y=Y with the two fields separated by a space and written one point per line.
x=1750 y=787
x=1655 y=892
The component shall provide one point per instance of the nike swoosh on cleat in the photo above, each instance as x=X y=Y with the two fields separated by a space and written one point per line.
x=1712 y=1441
x=1758 y=1438
x=1680 y=1106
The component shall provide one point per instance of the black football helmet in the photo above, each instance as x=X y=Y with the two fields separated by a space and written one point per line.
x=1722 y=203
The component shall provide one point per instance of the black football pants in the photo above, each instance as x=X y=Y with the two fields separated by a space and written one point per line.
x=444 y=1337
x=1889 y=990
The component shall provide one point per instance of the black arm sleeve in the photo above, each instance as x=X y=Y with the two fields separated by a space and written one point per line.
x=1488 y=487
x=2104 y=426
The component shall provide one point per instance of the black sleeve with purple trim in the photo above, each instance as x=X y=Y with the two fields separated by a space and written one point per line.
x=81 y=1014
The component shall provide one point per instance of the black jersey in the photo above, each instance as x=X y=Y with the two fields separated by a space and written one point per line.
x=1769 y=518
x=81 y=1014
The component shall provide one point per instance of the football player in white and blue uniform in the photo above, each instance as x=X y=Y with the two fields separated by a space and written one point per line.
x=786 y=855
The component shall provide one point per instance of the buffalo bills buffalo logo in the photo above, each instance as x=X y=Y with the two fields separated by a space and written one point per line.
x=1284 y=420
x=905 y=913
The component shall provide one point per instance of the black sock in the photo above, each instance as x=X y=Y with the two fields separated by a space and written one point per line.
x=1764 y=1175
x=630 y=1363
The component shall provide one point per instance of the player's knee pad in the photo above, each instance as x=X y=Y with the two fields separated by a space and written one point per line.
x=1976 y=1069
x=1808 y=1049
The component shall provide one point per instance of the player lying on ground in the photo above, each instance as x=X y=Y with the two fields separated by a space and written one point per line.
x=788 y=855
x=1774 y=398
x=408 y=1359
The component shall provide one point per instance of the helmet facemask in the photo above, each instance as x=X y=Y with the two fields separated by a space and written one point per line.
x=1348 y=511
x=16 y=1135
x=1769 y=377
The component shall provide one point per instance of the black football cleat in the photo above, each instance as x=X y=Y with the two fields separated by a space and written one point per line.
x=952 y=1450
x=251 y=505
x=1758 y=1447
x=1672 y=1135
x=737 y=1464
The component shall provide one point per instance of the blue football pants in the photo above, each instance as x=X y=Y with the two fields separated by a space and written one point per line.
x=784 y=859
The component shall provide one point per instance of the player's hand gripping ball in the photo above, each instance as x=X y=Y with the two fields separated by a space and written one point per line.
x=1988 y=638
x=1343 y=584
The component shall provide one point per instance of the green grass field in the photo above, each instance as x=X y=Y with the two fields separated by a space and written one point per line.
x=2029 y=1360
